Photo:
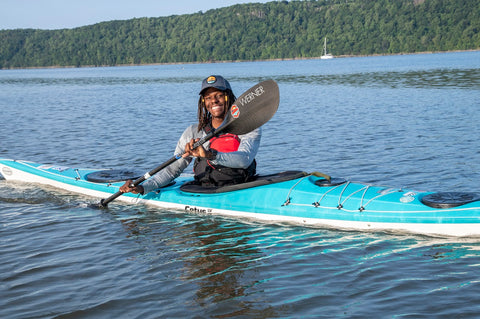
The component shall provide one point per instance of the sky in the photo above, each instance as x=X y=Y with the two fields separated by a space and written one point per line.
x=59 y=14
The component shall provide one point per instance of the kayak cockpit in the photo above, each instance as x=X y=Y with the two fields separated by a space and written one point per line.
x=260 y=180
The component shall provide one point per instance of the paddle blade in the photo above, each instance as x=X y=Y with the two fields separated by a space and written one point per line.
x=253 y=108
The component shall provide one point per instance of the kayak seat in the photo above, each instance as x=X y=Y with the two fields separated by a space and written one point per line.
x=259 y=180
x=449 y=199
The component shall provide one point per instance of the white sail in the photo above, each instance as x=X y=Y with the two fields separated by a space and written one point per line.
x=326 y=55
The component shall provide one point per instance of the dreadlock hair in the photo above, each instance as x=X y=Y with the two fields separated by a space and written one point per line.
x=204 y=117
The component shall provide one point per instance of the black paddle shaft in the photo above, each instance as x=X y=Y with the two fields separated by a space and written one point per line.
x=251 y=110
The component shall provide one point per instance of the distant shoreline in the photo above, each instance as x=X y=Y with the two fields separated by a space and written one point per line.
x=229 y=61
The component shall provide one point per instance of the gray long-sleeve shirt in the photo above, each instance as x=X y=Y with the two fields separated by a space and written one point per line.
x=242 y=158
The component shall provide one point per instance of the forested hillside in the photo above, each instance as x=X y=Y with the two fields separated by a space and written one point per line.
x=275 y=30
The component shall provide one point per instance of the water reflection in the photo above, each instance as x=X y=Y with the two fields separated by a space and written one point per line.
x=219 y=256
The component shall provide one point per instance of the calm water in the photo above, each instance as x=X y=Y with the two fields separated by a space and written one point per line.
x=401 y=121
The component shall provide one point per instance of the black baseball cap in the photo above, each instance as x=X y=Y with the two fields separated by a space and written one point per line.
x=215 y=81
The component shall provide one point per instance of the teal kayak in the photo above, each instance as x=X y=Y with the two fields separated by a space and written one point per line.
x=292 y=196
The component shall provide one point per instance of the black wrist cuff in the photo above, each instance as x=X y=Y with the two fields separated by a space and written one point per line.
x=214 y=154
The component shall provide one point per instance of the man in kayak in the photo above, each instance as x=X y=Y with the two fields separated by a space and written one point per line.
x=227 y=159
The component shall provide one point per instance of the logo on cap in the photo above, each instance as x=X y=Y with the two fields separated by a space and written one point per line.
x=235 y=111
x=211 y=79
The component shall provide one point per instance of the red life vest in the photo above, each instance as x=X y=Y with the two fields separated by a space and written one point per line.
x=225 y=143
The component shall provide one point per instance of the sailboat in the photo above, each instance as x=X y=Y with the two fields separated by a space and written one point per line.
x=326 y=55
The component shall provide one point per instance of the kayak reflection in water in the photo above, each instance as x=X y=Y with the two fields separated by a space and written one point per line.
x=227 y=159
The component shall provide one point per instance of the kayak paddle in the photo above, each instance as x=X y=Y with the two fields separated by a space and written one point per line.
x=251 y=110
